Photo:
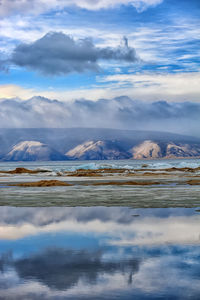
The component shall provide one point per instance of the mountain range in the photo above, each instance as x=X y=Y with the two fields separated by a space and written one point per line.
x=93 y=144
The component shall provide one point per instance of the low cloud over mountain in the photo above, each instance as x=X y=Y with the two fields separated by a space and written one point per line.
x=121 y=113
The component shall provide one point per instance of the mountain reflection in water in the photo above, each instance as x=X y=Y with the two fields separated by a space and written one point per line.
x=99 y=253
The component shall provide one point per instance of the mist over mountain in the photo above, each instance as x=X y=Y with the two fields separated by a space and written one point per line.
x=79 y=130
x=117 y=113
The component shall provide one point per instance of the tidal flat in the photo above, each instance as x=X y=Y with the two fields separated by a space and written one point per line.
x=132 y=184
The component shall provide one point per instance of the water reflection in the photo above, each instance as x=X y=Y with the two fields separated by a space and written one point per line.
x=99 y=253
x=62 y=269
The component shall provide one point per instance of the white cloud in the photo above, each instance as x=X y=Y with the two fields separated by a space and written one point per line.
x=9 y=91
x=179 y=230
x=169 y=39
x=171 y=87
x=8 y=7
x=158 y=86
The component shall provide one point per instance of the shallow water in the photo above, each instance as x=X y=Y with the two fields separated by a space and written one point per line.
x=55 y=166
x=105 y=242
x=99 y=253
x=129 y=196
x=172 y=195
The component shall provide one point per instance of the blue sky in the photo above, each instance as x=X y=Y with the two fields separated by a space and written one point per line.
x=164 y=34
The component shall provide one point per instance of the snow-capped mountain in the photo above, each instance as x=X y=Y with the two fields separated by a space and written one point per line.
x=92 y=150
x=184 y=150
x=147 y=149
x=32 y=151
x=99 y=150
x=153 y=150
x=93 y=143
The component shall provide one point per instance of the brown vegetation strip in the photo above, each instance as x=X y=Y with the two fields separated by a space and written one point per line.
x=98 y=172
x=146 y=171
x=49 y=183
x=154 y=174
x=173 y=169
x=23 y=171
x=85 y=174
x=143 y=183
x=43 y=183
x=193 y=182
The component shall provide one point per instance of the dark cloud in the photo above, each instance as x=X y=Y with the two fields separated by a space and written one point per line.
x=57 y=54
x=120 y=113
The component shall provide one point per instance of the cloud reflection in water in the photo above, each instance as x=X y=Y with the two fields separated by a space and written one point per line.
x=99 y=253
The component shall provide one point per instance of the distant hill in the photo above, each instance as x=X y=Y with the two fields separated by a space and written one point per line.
x=147 y=149
x=91 y=143
x=97 y=151
x=32 y=151
x=152 y=150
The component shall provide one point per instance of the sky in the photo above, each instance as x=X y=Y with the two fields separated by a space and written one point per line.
x=80 y=50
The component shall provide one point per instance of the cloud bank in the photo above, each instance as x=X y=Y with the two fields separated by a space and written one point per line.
x=57 y=54
x=121 y=112
x=9 y=7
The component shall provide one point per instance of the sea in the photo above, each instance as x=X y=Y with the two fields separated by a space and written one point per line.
x=106 y=242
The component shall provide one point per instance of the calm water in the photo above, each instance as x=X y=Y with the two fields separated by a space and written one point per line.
x=99 y=253
x=56 y=251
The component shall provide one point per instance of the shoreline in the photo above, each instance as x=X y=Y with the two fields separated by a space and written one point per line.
x=106 y=176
